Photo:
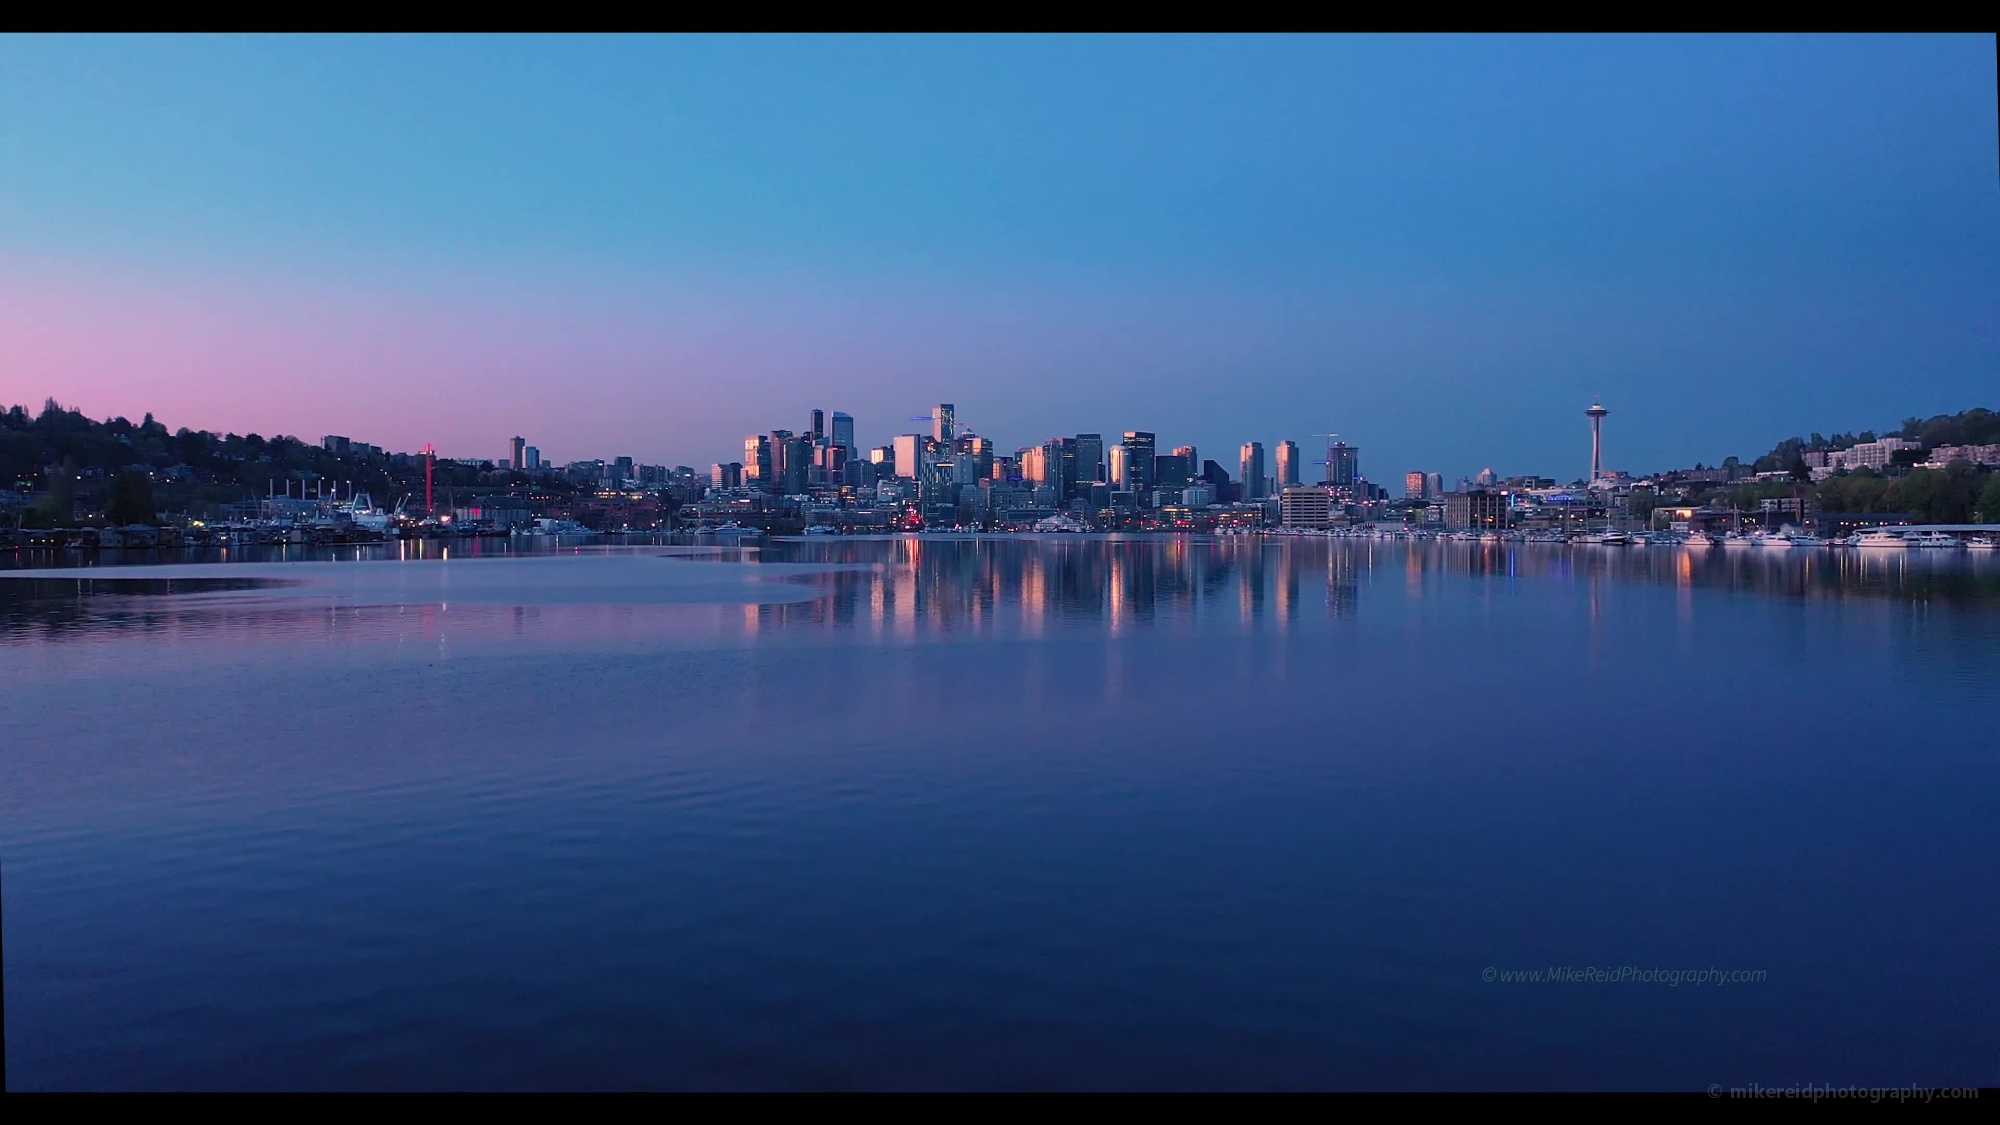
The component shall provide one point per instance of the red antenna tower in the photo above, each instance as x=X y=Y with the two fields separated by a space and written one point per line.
x=430 y=460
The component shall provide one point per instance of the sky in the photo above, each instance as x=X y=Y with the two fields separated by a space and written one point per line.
x=1441 y=248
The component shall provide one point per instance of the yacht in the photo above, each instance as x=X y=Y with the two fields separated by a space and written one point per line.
x=1881 y=537
x=1700 y=540
x=1934 y=540
x=1606 y=538
x=1981 y=543
x=821 y=529
x=1738 y=539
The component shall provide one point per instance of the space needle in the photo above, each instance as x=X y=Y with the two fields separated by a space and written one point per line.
x=1596 y=415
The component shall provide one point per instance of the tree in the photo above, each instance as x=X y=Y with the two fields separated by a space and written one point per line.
x=1989 y=500
x=59 y=507
x=131 y=500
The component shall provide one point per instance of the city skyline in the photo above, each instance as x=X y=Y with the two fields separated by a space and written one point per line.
x=1356 y=233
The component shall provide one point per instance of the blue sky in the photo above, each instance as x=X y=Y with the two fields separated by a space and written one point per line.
x=1441 y=247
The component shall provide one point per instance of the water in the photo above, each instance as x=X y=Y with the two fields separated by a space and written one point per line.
x=1016 y=813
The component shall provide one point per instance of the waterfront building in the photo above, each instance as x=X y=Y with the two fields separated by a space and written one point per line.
x=1305 y=506
x=1479 y=509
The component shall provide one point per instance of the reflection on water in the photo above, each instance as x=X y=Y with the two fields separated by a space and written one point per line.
x=1056 y=812
x=1005 y=586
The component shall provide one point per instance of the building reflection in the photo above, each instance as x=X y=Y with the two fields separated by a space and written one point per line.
x=899 y=590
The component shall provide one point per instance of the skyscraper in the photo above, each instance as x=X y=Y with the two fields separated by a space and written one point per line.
x=1414 y=486
x=798 y=463
x=726 y=474
x=1288 y=463
x=1138 y=460
x=533 y=456
x=843 y=432
x=1120 y=476
x=909 y=455
x=1596 y=415
x=1253 y=470
x=943 y=426
x=1343 y=464
x=1089 y=458
x=1434 y=486
x=1187 y=453
x=816 y=432
x=757 y=461
x=517 y=453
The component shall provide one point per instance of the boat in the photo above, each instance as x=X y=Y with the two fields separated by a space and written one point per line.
x=1881 y=538
x=821 y=529
x=1737 y=539
x=1700 y=540
x=1934 y=540
x=1606 y=538
x=1982 y=543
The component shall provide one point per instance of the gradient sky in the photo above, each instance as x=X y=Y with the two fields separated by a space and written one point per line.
x=1440 y=247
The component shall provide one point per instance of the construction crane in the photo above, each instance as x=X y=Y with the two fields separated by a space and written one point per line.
x=430 y=462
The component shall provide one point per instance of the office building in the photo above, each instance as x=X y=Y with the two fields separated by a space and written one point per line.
x=842 y=432
x=757 y=461
x=1172 y=470
x=726 y=474
x=1414 y=486
x=1434 y=486
x=909 y=455
x=622 y=470
x=1288 y=464
x=943 y=422
x=1343 y=465
x=1138 y=461
x=517 y=453
x=816 y=428
x=1090 y=458
x=533 y=456
x=1120 y=478
x=1478 y=509
x=1252 y=463
x=1305 y=506
x=1187 y=453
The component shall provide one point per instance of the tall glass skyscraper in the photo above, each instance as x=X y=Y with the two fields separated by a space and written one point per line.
x=1138 y=460
x=1089 y=458
x=943 y=424
x=1288 y=463
x=1253 y=470
x=843 y=432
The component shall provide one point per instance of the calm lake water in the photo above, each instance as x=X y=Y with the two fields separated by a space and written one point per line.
x=1061 y=812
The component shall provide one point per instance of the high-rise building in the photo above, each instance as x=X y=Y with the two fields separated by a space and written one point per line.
x=1415 y=486
x=816 y=430
x=843 y=432
x=798 y=463
x=909 y=456
x=1288 y=464
x=1434 y=486
x=943 y=422
x=726 y=474
x=1253 y=470
x=1187 y=454
x=622 y=470
x=534 y=459
x=1486 y=478
x=1089 y=458
x=1343 y=464
x=1138 y=461
x=1050 y=464
x=757 y=461
x=1121 y=475
x=1596 y=415
x=517 y=453
x=1171 y=470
